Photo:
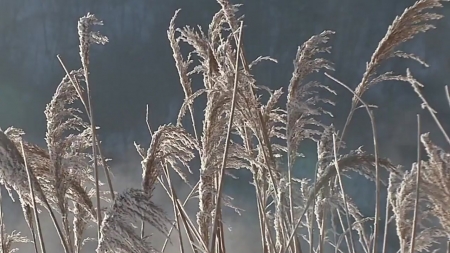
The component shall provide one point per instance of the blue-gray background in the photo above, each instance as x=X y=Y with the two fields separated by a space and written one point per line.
x=136 y=68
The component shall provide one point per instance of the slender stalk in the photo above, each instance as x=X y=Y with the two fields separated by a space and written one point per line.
x=263 y=136
x=94 y=151
x=151 y=134
x=311 y=229
x=347 y=241
x=310 y=219
x=191 y=226
x=220 y=234
x=377 y=171
x=447 y=94
x=2 y=225
x=173 y=225
x=426 y=105
x=291 y=203
x=189 y=229
x=33 y=235
x=82 y=99
x=227 y=142
x=142 y=229
x=323 y=231
x=33 y=199
x=56 y=224
x=377 y=179
x=416 y=204
x=185 y=218
x=386 y=223
x=344 y=198
x=260 y=197
x=260 y=216
x=177 y=222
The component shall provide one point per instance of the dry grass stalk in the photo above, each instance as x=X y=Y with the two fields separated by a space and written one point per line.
x=336 y=165
x=416 y=205
x=377 y=173
x=227 y=143
x=182 y=206
x=302 y=104
x=259 y=125
x=36 y=215
x=87 y=37
x=14 y=175
x=80 y=93
x=416 y=86
x=176 y=213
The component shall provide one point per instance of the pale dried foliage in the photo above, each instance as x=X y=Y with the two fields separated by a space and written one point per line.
x=295 y=215
x=9 y=241
x=118 y=233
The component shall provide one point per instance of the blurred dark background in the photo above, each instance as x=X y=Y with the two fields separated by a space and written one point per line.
x=136 y=68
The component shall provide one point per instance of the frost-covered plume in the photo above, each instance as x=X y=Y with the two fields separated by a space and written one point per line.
x=303 y=101
x=171 y=146
x=118 y=235
x=13 y=174
x=10 y=239
x=436 y=181
x=88 y=37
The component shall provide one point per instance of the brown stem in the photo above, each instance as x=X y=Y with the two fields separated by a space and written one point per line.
x=33 y=199
x=344 y=198
x=82 y=99
x=377 y=171
x=416 y=204
x=227 y=143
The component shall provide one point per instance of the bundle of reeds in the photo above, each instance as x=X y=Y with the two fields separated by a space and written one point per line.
x=239 y=131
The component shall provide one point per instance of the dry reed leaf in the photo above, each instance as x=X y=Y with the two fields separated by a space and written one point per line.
x=117 y=233
x=414 y=20
x=171 y=145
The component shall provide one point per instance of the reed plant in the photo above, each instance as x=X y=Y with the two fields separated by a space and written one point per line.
x=240 y=130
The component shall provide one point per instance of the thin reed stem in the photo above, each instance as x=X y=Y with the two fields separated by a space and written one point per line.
x=190 y=231
x=227 y=142
x=177 y=221
x=191 y=226
x=102 y=157
x=311 y=229
x=263 y=138
x=377 y=179
x=147 y=122
x=447 y=94
x=386 y=225
x=310 y=221
x=2 y=225
x=323 y=231
x=94 y=152
x=344 y=235
x=426 y=105
x=416 y=204
x=377 y=171
x=33 y=199
x=344 y=198
x=173 y=224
